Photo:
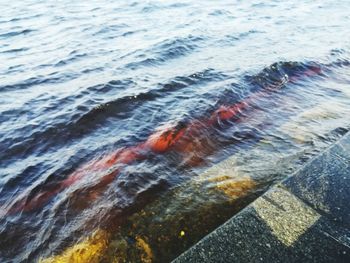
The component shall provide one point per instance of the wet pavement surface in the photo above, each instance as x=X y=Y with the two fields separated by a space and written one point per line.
x=303 y=219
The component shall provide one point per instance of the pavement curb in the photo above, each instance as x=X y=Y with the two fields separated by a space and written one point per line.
x=305 y=218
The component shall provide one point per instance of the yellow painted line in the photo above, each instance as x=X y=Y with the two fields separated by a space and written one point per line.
x=289 y=221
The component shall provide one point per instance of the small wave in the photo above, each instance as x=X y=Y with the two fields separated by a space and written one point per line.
x=89 y=70
x=341 y=62
x=16 y=33
x=16 y=19
x=72 y=58
x=53 y=78
x=272 y=76
x=129 y=33
x=279 y=73
x=220 y=12
x=110 y=86
x=249 y=32
x=152 y=7
x=229 y=39
x=113 y=31
x=14 y=50
x=167 y=50
x=121 y=106
x=89 y=118
x=32 y=171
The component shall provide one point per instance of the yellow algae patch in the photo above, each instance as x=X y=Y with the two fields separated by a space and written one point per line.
x=226 y=167
x=234 y=187
x=146 y=252
x=227 y=178
x=90 y=249
x=118 y=251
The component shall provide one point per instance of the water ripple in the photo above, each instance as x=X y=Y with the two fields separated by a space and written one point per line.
x=116 y=117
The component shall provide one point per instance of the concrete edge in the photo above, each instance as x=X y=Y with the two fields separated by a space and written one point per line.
x=306 y=217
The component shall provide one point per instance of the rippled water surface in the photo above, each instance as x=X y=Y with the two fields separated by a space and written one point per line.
x=129 y=130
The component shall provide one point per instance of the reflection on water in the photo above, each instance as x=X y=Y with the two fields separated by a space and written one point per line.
x=131 y=130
